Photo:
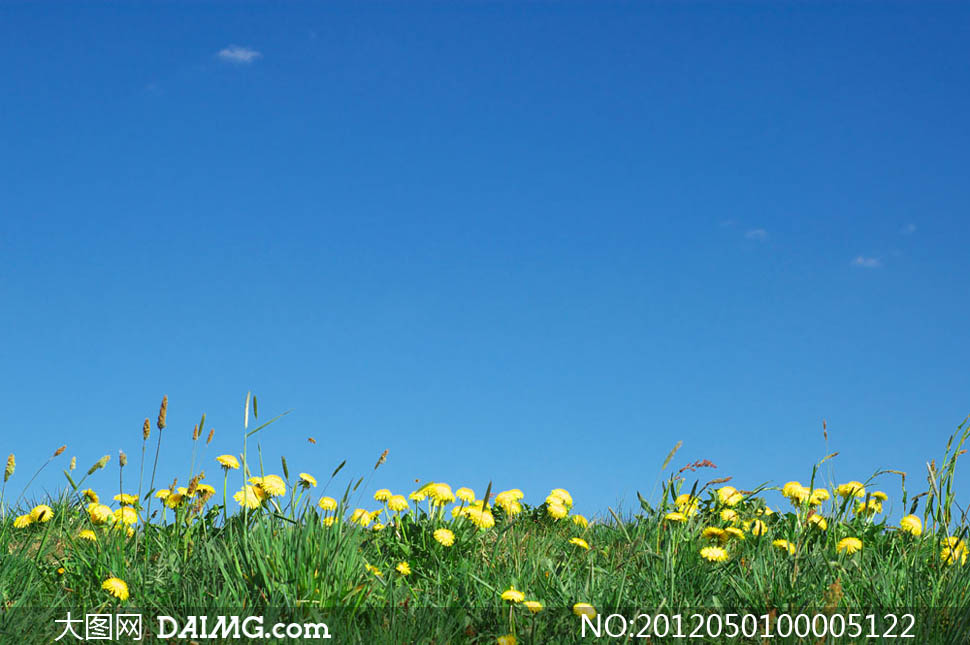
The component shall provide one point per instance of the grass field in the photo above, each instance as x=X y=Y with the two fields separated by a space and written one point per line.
x=439 y=565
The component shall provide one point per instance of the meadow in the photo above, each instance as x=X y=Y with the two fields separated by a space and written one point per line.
x=703 y=560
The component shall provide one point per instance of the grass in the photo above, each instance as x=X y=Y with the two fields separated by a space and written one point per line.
x=291 y=560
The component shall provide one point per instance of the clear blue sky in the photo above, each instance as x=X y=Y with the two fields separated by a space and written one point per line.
x=530 y=243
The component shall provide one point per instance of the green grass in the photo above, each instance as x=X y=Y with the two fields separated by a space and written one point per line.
x=284 y=561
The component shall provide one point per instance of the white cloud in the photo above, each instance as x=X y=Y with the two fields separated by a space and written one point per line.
x=758 y=234
x=237 y=54
x=909 y=229
x=866 y=263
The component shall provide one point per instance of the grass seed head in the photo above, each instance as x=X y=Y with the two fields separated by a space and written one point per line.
x=59 y=451
x=73 y=463
x=146 y=429
x=99 y=464
x=122 y=458
x=212 y=432
x=162 y=413
x=11 y=466
x=195 y=433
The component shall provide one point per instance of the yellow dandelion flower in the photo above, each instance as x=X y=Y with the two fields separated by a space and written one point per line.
x=87 y=534
x=675 y=516
x=729 y=515
x=126 y=515
x=177 y=499
x=563 y=494
x=729 y=495
x=228 y=462
x=732 y=532
x=307 y=480
x=441 y=494
x=756 y=527
x=41 y=513
x=205 y=491
x=90 y=495
x=713 y=533
x=465 y=494
x=273 y=485
x=557 y=510
x=953 y=551
x=784 y=545
x=22 y=521
x=714 y=554
x=851 y=489
x=508 y=639
x=878 y=494
x=513 y=595
x=99 y=513
x=444 y=537
x=817 y=496
x=397 y=503
x=329 y=521
x=126 y=499
x=579 y=520
x=849 y=545
x=580 y=542
x=327 y=503
x=162 y=493
x=533 y=606
x=403 y=568
x=818 y=522
x=869 y=507
x=249 y=497
x=419 y=495
x=483 y=519
x=116 y=587
x=584 y=609
x=382 y=495
x=361 y=516
x=373 y=569
x=912 y=525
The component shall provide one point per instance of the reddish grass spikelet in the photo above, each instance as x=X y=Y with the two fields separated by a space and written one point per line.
x=60 y=450
x=700 y=463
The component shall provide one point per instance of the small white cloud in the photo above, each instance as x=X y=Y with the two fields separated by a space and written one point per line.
x=237 y=54
x=909 y=229
x=866 y=263
x=759 y=234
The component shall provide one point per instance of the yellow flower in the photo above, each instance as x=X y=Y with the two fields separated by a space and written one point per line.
x=483 y=519
x=870 y=507
x=373 y=569
x=419 y=495
x=162 y=493
x=714 y=554
x=579 y=520
x=329 y=521
x=687 y=505
x=125 y=499
x=818 y=522
x=175 y=499
x=377 y=527
x=99 y=513
x=734 y=532
x=248 y=497
x=41 y=513
x=307 y=480
x=205 y=491
x=126 y=515
x=534 y=606
x=403 y=568
x=90 y=495
x=675 y=517
x=757 y=527
x=713 y=533
x=912 y=524
x=849 y=545
x=441 y=494
x=116 y=587
x=818 y=496
x=513 y=595
x=878 y=494
x=584 y=609
x=580 y=542
x=87 y=534
x=794 y=491
x=444 y=537
x=556 y=509
x=953 y=550
x=228 y=461
x=327 y=503
x=559 y=496
x=397 y=503
x=851 y=489
x=22 y=521
x=465 y=494
x=729 y=515
x=784 y=545
x=512 y=508
x=273 y=485
x=729 y=495
x=382 y=495
x=361 y=516
x=508 y=639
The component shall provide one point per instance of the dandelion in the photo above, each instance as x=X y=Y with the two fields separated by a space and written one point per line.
x=818 y=522
x=176 y=499
x=954 y=549
x=756 y=527
x=579 y=520
x=126 y=515
x=675 y=516
x=851 y=489
x=580 y=542
x=87 y=534
x=307 y=480
x=329 y=521
x=912 y=525
x=90 y=495
x=849 y=545
x=729 y=496
x=444 y=537
x=465 y=494
x=126 y=500
x=419 y=495
x=817 y=496
x=560 y=495
x=99 y=513
x=373 y=569
x=513 y=595
x=327 y=503
x=481 y=518
x=403 y=568
x=870 y=507
x=441 y=494
x=584 y=609
x=784 y=545
x=714 y=554
x=361 y=516
x=397 y=503
x=382 y=495
x=41 y=513
x=273 y=485
x=116 y=587
x=205 y=491
x=713 y=533
x=687 y=505
x=249 y=497
x=508 y=639
x=729 y=515
x=534 y=606
x=228 y=461
x=795 y=493
x=734 y=532
x=22 y=521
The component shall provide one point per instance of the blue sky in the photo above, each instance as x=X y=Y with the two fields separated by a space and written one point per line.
x=536 y=244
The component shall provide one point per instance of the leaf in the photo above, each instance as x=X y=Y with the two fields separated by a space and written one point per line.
x=342 y=464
